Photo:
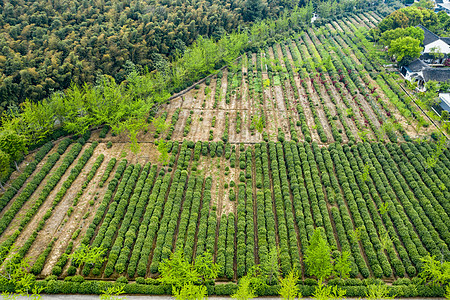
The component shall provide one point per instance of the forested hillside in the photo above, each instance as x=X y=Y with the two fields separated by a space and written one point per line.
x=44 y=46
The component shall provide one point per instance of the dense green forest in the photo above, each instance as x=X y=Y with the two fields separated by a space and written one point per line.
x=46 y=45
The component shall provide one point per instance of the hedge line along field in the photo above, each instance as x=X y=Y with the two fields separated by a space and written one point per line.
x=306 y=133
x=323 y=85
x=240 y=202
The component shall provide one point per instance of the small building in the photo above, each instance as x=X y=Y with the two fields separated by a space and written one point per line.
x=444 y=6
x=420 y=72
x=444 y=104
x=432 y=44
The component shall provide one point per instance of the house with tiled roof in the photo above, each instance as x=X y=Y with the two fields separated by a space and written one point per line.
x=443 y=105
x=432 y=44
x=429 y=66
x=420 y=72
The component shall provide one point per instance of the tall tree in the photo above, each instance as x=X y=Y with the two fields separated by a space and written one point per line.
x=4 y=166
x=405 y=49
x=254 y=10
x=14 y=145
x=318 y=256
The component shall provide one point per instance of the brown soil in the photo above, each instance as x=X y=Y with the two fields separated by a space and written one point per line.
x=65 y=230
x=50 y=225
x=336 y=26
x=15 y=174
x=331 y=106
x=314 y=97
x=14 y=225
x=271 y=114
x=27 y=160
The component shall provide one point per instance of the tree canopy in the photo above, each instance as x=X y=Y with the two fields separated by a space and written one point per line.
x=405 y=49
x=390 y=35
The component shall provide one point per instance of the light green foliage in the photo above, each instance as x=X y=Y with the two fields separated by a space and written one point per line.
x=385 y=240
x=319 y=262
x=258 y=123
x=177 y=271
x=378 y=292
x=318 y=256
x=363 y=135
x=80 y=108
x=441 y=145
x=205 y=266
x=434 y=271
x=15 y=272
x=342 y=265
x=430 y=96
x=12 y=144
x=365 y=174
x=4 y=165
x=357 y=233
x=245 y=291
x=391 y=35
x=436 y=53
x=447 y=292
x=112 y=293
x=271 y=267
x=182 y=275
x=405 y=49
x=189 y=291
x=289 y=289
x=249 y=284
x=384 y=208
x=323 y=292
x=424 y=4
x=88 y=255
x=160 y=124
x=163 y=152
x=132 y=126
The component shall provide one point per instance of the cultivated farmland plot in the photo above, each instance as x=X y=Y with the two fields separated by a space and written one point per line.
x=322 y=86
x=321 y=158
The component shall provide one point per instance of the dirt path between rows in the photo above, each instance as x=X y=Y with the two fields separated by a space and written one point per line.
x=28 y=159
x=92 y=192
x=14 y=225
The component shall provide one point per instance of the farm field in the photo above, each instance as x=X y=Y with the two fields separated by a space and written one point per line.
x=309 y=132
x=376 y=200
x=322 y=86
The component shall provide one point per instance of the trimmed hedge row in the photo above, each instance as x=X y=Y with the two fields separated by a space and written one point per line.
x=221 y=246
x=168 y=222
x=97 y=287
x=130 y=235
x=396 y=217
x=283 y=235
x=343 y=221
x=98 y=162
x=121 y=242
x=21 y=179
x=116 y=212
x=49 y=186
x=107 y=172
x=203 y=220
x=32 y=186
x=193 y=221
x=40 y=261
x=90 y=232
x=148 y=227
x=368 y=206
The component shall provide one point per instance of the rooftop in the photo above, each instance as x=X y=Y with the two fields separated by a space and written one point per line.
x=429 y=37
x=416 y=66
x=437 y=74
x=445 y=103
